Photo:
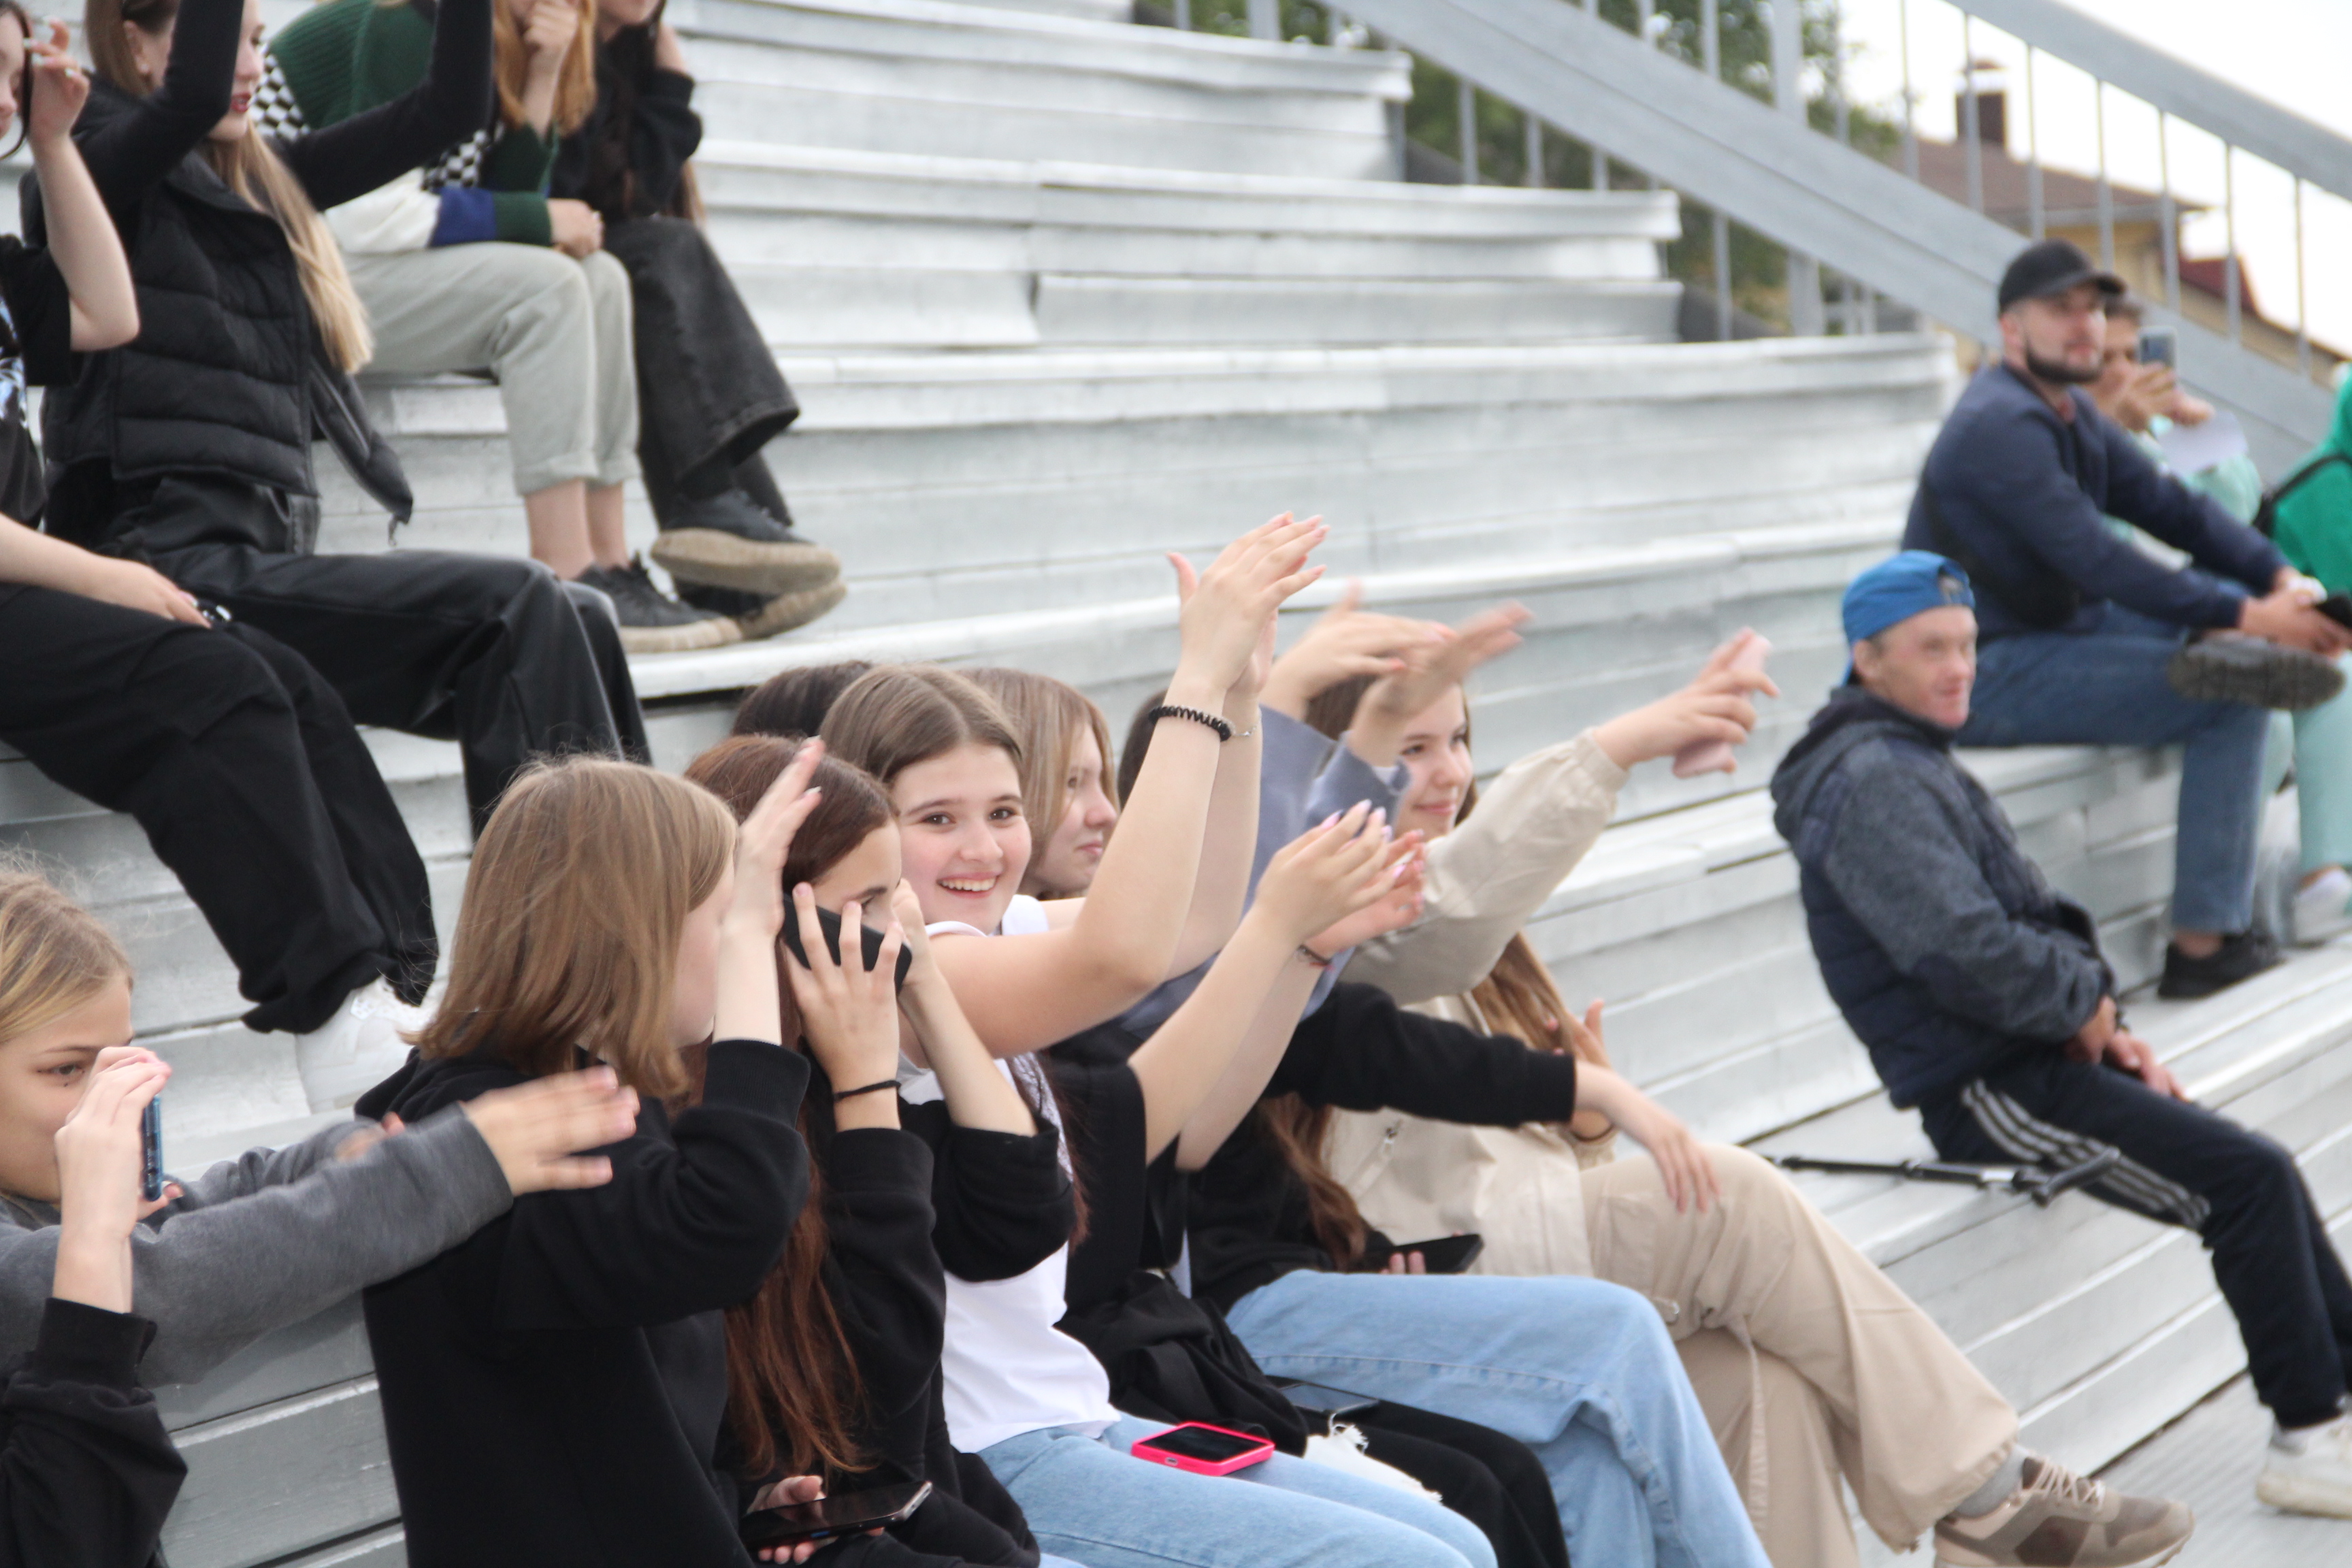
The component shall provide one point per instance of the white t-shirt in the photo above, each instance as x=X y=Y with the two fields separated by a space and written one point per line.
x=1006 y=1368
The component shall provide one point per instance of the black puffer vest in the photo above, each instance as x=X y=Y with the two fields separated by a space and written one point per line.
x=227 y=377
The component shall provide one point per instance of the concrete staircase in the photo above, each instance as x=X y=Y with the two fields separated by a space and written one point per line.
x=1059 y=294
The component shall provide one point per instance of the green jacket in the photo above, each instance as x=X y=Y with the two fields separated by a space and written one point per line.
x=342 y=56
x=2314 y=519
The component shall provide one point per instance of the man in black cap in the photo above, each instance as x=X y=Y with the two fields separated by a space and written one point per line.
x=2086 y=638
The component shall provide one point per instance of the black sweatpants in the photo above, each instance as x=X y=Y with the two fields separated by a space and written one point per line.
x=242 y=765
x=2187 y=1166
x=488 y=651
x=1490 y=1478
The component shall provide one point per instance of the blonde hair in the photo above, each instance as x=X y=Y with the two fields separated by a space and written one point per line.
x=1048 y=715
x=568 y=937
x=54 y=954
x=250 y=167
x=575 y=87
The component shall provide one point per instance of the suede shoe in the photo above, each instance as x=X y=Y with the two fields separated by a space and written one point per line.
x=2231 y=667
x=763 y=615
x=653 y=622
x=2056 y=1519
x=729 y=540
x=2240 y=957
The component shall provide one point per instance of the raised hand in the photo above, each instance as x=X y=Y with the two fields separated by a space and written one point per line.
x=1227 y=609
x=765 y=838
x=58 y=86
x=1718 y=705
x=1324 y=874
x=1429 y=668
x=1346 y=641
x=99 y=1159
x=848 y=1012
x=1399 y=904
x=537 y=1130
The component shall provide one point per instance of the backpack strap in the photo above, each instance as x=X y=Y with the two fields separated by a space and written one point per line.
x=2265 y=521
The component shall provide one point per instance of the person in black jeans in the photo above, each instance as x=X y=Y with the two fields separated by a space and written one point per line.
x=190 y=448
x=712 y=397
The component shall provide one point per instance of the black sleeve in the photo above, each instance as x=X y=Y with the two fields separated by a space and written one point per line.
x=884 y=1278
x=41 y=307
x=687 y=1224
x=86 y=1471
x=1003 y=1202
x=1361 y=1051
x=356 y=155
x=664 y=134
x=128 y=152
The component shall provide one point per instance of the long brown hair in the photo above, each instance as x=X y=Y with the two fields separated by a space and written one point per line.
x=250 y=167
x=1049 y=715
x=795 y=701
x=611 y=185
x=567 y=940
x=892 y=718
x=791 y=1378
x=575 y=87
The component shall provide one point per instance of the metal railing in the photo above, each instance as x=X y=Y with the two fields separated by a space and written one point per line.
x=1670 y=111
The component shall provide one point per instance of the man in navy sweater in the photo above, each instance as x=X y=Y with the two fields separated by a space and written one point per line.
x=2088 y=639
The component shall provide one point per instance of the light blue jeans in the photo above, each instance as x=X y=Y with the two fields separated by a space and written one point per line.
x=1090 y=1499
x=1580 y=1370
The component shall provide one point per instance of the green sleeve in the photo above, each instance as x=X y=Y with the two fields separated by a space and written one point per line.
x=521 y=216
x=2314 y=527
x=520 y=161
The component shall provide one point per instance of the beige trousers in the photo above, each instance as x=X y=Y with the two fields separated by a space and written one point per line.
x=1851 y=1379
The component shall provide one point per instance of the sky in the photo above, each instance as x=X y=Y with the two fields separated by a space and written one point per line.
x=2295 y=53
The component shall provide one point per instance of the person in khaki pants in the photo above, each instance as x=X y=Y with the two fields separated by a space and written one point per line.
x=1811 y=1365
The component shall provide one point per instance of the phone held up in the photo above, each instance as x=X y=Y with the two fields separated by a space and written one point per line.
x=150 y=1150
x=789 y=1524
x=1203 y=1449
x=2160 y=345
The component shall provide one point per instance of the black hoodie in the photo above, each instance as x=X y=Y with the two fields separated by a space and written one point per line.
x=554 y=1388
x=1942 y=945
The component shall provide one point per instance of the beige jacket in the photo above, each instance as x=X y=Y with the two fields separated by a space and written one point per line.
x=1416 y=1179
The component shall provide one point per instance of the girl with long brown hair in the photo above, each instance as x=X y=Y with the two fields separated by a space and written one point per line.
x=834 y=1366
x=1065 y=781
x=554 y=1388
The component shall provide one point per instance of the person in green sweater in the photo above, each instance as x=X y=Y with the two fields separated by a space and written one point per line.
x=467 y=265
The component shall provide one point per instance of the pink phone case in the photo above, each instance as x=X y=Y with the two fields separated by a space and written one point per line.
x=1257 y=1455
x=1714 y=756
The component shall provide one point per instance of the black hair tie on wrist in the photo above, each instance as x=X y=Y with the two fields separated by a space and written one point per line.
x=841 y=1095
x=1168 y=711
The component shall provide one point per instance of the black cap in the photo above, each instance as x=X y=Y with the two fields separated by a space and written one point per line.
x=2053 y=266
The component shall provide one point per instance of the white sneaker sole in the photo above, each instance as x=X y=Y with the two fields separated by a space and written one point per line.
x=2294 y=1494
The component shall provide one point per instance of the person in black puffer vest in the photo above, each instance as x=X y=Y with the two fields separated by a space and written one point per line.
x=190 y=447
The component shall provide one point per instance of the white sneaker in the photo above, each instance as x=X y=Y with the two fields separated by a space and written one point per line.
x=2320 y=909
x=2310 y=1472
x=357 y=1048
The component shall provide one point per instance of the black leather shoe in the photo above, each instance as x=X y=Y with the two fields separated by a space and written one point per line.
x=728 y=541
x=2240 y=957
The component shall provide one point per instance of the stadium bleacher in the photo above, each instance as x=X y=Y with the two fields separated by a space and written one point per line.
x=1058 y=293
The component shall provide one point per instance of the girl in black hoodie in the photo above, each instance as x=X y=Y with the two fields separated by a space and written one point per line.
x=554 y=1388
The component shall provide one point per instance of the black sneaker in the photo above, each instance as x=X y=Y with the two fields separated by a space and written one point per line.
x=761 y=615
x=2240 y=957
x=653 y=622
x=728 y=541
x=2232 y=669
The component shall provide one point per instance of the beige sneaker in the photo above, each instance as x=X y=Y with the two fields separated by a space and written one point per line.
x=2056 y=1519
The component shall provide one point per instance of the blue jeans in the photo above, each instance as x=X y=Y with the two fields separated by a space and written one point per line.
x=1579 y=1370
x=2107 y=689
x=1088 y=1499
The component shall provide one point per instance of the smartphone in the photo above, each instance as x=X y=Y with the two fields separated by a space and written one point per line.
x=790 y=1523
x=1446 y=1254
x=1203 y=1449
x=2160 y=345
x=829 y=923
x=150 y=1150
x=1714 y=756
x=1322 y=1400
x=2338 y=607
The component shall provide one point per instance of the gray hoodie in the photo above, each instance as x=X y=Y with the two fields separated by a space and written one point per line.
x=269 y=1239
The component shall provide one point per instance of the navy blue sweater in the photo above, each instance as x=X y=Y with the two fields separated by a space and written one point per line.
x=2022 y=491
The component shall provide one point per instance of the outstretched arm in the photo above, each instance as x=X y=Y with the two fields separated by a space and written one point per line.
x=357 y=155
x=81 y=238
x=131 y=152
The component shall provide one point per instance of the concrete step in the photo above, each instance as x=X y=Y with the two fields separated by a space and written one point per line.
x=916 y=76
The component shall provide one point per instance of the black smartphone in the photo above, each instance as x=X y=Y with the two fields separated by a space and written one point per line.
x=2338 y=607
x=1323 y=1400
x=1447 y=1254
x=790 y=1523
x=2160 y=345
x=150 y=1150
x=829 y=923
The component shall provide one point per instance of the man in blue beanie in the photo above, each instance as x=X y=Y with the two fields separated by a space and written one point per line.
x=2087 y=638
x=1982 y=998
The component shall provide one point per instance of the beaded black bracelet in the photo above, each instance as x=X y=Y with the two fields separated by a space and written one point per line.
x=841 y=1095
x=1168 y=711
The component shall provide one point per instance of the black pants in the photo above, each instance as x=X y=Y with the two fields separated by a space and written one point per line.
x=2186 y=1166
x=488 y=651
x=1493 y=1480
x=242 y=765
x=710 y=394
